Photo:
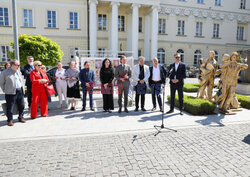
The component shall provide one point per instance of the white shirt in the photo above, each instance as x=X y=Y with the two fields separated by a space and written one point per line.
x=176 y=67
x=60 y=75
x=156 y=74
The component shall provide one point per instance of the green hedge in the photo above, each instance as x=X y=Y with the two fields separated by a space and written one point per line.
x=196 y=106
x=193 y=87
x=244 y=101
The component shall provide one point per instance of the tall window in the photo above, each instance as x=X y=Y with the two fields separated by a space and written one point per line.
x=197 y=56
x=200 y=1
x=181 y=26
x=121 y=23
x=216 y=56
x=102 y=22
x=51 y=16
x=240 y=32
x=181 y=52
x=139 y=53
x=216 y=30
x=198 y=29
x=101 y=52
x=217 y=3
x=4 y=17
x=161 y=55
x=4 y=53
x=243 y=4
x=27 y=18
x=162 y=26
x=73 y=20
x=140 y=25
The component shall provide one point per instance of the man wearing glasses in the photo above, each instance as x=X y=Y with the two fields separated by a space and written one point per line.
x=12 y=84
x=177 y=74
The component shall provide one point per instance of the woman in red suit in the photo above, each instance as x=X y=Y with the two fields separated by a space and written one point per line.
x=38 y=78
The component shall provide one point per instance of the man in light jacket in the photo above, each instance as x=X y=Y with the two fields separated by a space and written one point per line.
x=141 y=74
x=12 y=84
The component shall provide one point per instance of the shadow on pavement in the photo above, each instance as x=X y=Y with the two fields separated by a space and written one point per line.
x=247 y=139
x=216 y=118
x=157 y=117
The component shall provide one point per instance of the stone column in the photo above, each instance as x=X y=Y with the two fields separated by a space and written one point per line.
x=154 y=31
x=92 y=27
x=147 y=33
x=114 y=28
x=135 y=19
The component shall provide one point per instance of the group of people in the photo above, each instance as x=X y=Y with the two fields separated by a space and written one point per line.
x=67 y=84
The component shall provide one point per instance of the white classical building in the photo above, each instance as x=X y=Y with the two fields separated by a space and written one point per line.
x=153 y=28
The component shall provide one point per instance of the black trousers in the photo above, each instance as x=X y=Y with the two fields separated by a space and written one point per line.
x=140 y=90
x=108 y=102
x=179 y=88
x=11 y=100
x=29 y=95
x=155 y=91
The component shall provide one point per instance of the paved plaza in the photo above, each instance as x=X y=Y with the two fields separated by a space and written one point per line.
x=74 y=143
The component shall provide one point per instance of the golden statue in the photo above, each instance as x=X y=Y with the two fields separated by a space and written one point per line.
x=226 y=97
x=207 y=76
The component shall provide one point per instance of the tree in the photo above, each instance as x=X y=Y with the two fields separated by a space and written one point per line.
x=41 y=48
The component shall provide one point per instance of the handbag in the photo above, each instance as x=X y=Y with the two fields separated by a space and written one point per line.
x=49 y=88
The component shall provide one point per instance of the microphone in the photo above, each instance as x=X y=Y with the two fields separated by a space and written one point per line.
x=170 y=72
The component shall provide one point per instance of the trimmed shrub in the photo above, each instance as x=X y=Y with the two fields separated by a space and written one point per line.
x=244 y=101
x=195 y=106
x=193 y=87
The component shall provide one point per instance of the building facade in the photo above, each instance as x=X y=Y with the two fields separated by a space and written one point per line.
x=153 y=28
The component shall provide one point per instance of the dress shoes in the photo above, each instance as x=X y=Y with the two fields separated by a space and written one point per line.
x=153 y=109
x=170 y=111
x=143 y=109
x=136 y=109
x=120 y=110
x=10 y=123
x=181 y=112
x=109 y=111
x=161 y=109
x=83 y=109
x=126 y=110
x=92 y=109
x=22 y=120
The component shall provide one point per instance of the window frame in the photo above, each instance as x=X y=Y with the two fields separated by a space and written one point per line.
x=243 y=4
x=198 y=29
x=74 y=22
x=140 y=22
x=121 y=26
x=240 y=34
x=181 y=27
x=217 y=2
x=28 y=18
x=200 y=1
x=52 y=26
x=216 y=30
x=102 y=24
x=197 y=54
x=7 y=58
x=182 y=54
x=161 y=55
x=162 y=26
x=5 y=19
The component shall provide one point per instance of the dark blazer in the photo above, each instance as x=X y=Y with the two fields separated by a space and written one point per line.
x=83 y=77
x=163 y=73
x=26 y=71
x=180 y=73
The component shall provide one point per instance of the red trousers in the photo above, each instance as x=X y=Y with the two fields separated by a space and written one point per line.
x=39 y=95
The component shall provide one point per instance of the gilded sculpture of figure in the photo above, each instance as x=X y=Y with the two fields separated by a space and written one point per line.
x=208 y=70
x=229 y=77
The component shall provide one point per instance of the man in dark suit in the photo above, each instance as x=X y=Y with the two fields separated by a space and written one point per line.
x=87 y=78
x=177 y=74
x=156 y=79
x=27 y=69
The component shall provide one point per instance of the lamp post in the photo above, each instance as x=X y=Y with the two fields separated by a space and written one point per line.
x=15 y=30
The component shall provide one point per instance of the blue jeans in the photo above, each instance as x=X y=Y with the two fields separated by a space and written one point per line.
x=84 y=96
x=11 y=100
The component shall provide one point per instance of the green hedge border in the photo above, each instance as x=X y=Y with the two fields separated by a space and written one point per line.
x=196 y=106
x=193 y=87
x=244 y=101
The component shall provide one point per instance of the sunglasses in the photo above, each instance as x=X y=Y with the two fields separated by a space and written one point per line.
x=17 y=65
x=39 y=65
x=177 y=57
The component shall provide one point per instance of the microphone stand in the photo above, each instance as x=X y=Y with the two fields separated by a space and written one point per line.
x=157 y=127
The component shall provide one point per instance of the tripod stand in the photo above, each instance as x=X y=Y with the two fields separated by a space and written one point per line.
x=162 y=117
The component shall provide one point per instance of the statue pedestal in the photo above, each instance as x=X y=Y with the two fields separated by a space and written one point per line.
x=243 y=88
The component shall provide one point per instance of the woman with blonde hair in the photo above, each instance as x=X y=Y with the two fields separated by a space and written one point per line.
x=38 y=78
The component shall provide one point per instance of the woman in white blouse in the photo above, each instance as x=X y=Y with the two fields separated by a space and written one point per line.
x=61 y=84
